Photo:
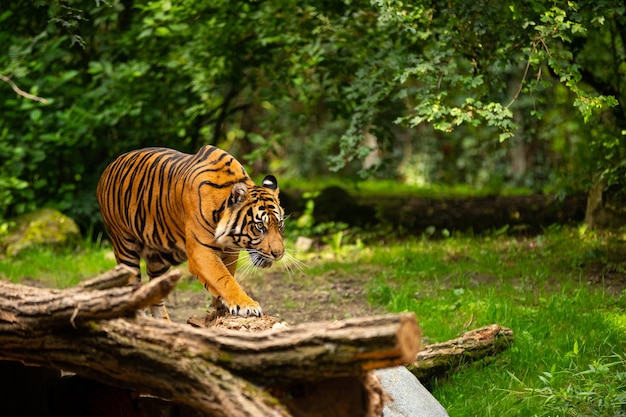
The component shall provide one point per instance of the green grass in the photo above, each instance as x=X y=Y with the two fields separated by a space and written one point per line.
x=394 y=188
x=536 y=286
x=58 y=268
x=67 y=267
x=556 y=291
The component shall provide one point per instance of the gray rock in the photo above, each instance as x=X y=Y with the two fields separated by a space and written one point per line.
x=304 y=244
x=410 y=398
x=40 y=227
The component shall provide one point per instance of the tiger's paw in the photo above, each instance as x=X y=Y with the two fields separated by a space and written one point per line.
x=246 y=308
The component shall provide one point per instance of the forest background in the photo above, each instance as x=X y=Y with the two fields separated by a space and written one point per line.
x=485 y=94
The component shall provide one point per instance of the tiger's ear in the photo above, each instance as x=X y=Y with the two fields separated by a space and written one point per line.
x=237 y=194
x=271 y=183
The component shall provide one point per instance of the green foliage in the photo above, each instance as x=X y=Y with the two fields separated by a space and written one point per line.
x=466 y=54
x=581 y=389
x=432 y=92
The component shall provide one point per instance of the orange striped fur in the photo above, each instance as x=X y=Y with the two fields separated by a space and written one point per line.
x=166 y=207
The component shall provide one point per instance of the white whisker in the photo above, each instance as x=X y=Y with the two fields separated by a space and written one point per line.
x=291 y=264
x=247 y=268
x=248 y=265
x=231 y=263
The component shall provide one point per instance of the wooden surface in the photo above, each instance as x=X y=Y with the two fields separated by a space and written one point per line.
x=439 y=358
x=219 y=372
x=34 y=310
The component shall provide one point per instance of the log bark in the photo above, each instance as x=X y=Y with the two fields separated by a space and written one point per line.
x=30 y=309
x=216 y=372
x=436 y=359
x=310 y=351
x=314 y=351
x=188 y=366
x=67 y=329
x=119 y=276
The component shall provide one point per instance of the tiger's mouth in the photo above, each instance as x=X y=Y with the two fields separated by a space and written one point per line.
x=260 y=260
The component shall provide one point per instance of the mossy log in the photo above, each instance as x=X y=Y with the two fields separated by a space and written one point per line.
x=417 y=215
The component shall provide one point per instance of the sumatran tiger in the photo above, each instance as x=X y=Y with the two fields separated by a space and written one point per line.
x=167 y=207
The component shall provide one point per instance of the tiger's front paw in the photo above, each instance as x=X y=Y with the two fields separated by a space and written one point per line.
x=247 y=307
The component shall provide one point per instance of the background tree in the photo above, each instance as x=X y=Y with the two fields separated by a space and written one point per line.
x=490 y=94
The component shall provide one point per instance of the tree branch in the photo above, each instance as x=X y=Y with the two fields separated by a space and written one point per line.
x=439 y=358
x=32 y=310
x=21 y=92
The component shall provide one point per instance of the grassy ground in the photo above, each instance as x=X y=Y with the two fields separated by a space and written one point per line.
x=563 y=295
x=561 y=292
x=392 y=188
x=56 y=268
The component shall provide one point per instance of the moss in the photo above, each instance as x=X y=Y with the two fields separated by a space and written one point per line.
x=41 y=227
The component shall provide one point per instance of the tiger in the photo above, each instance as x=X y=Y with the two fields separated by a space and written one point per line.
x=167 y=207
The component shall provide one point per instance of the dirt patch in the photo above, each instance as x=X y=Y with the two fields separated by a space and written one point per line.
x=182 y=304
x=293 y=297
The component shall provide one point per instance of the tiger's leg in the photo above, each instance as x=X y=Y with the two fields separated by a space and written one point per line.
x=126 y=253
x=229 y=258
x=157 y=267
x=208 y=266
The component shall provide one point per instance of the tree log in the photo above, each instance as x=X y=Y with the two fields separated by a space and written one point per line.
x=310 y=351
x=187 y=365
x=439 y=358
x=119 y=276
x=40 y=309
x=85 y=332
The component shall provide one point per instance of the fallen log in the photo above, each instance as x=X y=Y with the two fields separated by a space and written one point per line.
x=119 y=276
x=314 y=351
x=347 y=396
x=436 y=359
x=41 y=309
x=67 y=329
x=216 y=372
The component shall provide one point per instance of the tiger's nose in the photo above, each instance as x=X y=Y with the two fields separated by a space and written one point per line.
x=277 y=253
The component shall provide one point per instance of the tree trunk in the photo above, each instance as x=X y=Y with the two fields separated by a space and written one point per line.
x=30 y=309
x=606 y=207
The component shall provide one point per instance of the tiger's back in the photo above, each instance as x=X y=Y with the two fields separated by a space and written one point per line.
x=142 y=194
x=165 y=207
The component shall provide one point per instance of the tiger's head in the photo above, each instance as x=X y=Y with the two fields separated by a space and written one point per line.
x=254 y=221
